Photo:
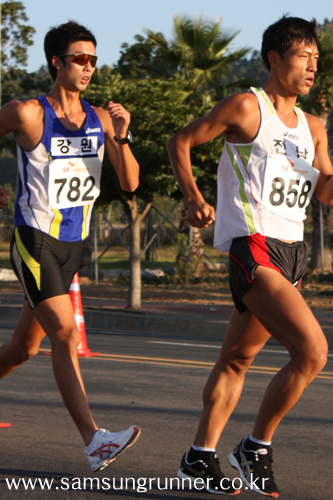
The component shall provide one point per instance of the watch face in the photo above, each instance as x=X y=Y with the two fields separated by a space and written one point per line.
x=126 y=139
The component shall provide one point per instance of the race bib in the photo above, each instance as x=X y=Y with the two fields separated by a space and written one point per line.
x=288 y=185
x=74 y=146
x=73 y=182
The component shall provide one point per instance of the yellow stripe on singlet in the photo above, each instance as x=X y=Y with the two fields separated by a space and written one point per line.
x=300 y=116
x=84 y=233
x=242 y=194
x=55 y=224
x=266 y=99
x=32 y=264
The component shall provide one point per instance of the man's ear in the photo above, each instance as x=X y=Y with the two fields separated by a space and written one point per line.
x=57 y=63
x=273 y=58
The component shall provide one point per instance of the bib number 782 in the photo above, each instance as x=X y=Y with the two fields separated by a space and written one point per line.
x=296 y=194
x=73 y=190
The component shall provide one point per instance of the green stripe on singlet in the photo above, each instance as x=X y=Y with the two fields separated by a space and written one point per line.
x=243 y=197
x=300 y=115
x=266 y=99
x=245 y=153
x=32 y=264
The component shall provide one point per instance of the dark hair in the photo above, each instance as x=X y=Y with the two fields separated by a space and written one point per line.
x=281 y=35
x=58 y=39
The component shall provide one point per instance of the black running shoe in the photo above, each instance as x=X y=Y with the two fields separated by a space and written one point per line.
x=255 y=467
x=208 y=469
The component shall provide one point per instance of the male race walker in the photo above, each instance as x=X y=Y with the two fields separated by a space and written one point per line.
x=60 y=146
x=274 y=158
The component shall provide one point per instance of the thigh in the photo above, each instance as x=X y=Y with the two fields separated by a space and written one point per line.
x=245 y=337
x=56 y=316
x=28 y=332
x=281 y=309
x=44 y=265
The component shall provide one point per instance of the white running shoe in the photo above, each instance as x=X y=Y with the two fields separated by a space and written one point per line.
x=105 y=446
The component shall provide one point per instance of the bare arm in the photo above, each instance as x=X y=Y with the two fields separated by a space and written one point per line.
x=25 y=119
x=226 y=117
x=115 y=122
x=324 y=187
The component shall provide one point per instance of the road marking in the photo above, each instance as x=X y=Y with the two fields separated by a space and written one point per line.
x=215 y=346
x=185 y=363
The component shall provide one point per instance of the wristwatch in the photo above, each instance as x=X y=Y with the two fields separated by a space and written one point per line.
x=125 y=140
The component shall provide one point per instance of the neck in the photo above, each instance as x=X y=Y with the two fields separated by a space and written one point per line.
x=63 y=100
x=281 y=98
x=283 y=102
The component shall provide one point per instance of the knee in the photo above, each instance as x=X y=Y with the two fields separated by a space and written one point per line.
x=318 y=358
x=68 y=339
x=230 y=368
x=238 y=362
x=24 y=352
x=314 y=358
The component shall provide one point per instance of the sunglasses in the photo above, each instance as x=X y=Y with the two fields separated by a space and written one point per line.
x=82 y=59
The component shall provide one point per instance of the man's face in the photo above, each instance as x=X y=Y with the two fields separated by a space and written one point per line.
x=74 y=76
x=296 y=69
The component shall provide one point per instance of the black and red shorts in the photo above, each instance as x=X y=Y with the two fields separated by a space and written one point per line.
x=249 y=252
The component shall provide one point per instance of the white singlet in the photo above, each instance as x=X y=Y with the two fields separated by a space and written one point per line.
x=264 y=186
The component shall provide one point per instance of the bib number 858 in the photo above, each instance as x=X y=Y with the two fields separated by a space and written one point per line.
x=73 y=189
x=277 y=195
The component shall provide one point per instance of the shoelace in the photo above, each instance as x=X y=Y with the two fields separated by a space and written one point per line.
x=214 y=467
x=263 y=464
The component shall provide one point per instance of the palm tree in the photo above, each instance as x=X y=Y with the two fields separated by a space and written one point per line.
x=200 y=52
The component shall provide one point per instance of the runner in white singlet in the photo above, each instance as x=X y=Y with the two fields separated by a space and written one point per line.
x=274 y=158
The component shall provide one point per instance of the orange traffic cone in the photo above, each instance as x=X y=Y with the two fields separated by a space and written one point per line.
x=75 y=295
x=3 y=424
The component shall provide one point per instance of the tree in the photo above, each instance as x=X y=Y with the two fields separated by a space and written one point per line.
x=320 y=103
x=200 y=52
x=16 y=36
x=156 y=113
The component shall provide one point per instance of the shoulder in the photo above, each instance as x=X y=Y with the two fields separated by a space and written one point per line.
x=238 y=107
x=314 y=122
x=104 y=118
x=317 y=128
x=16 y=115
x=100 y=112
x=26 y=108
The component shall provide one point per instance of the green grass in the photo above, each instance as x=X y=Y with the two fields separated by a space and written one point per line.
x=117 y=257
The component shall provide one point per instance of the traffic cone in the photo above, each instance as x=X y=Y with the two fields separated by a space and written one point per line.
x=75 y=295
x=3 y=424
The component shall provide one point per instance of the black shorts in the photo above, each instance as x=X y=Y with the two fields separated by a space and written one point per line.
x=45 y=266
x=249 y=252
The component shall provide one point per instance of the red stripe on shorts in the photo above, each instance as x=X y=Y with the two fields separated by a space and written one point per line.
x=259 y=250
x=241 y=265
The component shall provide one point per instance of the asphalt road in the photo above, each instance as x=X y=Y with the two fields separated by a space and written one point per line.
x=154 y=383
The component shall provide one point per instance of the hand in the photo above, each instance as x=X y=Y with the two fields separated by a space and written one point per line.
x=120 y=119
x=200 y=214
x=4 y=195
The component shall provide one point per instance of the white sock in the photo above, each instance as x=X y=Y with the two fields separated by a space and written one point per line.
x=257 y=441
x=202 y=448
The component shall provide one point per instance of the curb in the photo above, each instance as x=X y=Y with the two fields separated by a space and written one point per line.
x=166 y=324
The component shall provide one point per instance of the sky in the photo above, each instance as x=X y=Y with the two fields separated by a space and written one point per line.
x=114 y=22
